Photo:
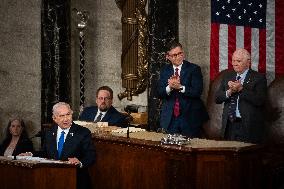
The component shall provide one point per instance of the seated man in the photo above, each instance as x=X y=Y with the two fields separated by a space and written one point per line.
x=104 y=111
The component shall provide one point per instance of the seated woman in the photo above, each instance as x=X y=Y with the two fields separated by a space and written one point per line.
x=17 y=140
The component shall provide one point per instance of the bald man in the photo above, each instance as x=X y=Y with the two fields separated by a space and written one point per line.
x=243 y=92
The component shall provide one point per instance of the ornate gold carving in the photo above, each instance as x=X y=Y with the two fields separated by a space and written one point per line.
x=134 y=47
x=129 y=20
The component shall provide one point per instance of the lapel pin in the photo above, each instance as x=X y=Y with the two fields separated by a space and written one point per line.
x=71 y=134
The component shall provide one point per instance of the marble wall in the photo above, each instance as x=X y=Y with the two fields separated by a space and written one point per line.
x=194 y=34
x=20 y=76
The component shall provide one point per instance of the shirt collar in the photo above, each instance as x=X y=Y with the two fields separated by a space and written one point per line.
x=179 y=67
x=99 y=111
x=59 y=130
x=243 y=75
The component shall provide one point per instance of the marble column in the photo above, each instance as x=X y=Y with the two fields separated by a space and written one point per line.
x=55 y=63
x=163 y=27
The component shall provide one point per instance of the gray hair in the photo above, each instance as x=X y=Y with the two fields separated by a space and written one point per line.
x=59 y=104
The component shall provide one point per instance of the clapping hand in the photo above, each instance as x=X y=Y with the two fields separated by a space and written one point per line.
x=234 y=86
x=174 y=82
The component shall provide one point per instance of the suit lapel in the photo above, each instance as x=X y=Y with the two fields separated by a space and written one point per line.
x=247 y=78
x=68 y=144
x=106 y=117
x=170 y=70
x=184 y=70
x=53 y=142
x=94 y=114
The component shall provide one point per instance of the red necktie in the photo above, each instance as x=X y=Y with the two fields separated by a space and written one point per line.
x=176 y=105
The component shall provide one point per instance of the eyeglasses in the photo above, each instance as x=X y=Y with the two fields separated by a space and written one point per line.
x=104 y=98
x=175 y=55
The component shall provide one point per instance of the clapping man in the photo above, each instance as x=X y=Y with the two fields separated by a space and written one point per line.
x=243 y=92
x=180 y=89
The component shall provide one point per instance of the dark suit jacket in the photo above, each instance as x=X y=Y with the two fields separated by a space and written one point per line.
x=113 y=117
x=251 y=104
x=193 y=112
x=78 y=143
x=23 y=145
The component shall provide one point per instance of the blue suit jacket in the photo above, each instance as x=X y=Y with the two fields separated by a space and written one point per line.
x=193 y=112
x=78 y=143
x=113 y=117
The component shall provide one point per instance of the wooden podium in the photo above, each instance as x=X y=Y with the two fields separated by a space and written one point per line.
x=142 y=162
x=23 y=174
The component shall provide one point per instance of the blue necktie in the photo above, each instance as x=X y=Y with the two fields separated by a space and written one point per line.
x=60 y=143
x=233 y=105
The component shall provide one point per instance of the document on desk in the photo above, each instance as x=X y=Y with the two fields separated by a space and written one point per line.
x=37 y=159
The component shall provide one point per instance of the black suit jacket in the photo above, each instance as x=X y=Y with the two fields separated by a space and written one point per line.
x=23 y=145
x=78 y=143
x=251 y=104
x=193 y=112
x=113 y=117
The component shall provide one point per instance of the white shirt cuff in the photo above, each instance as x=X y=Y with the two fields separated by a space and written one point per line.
x=168 y=90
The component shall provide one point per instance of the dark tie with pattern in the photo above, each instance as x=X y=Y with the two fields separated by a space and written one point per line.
x=60 y=144
x=233 y=104
x=176 y=105
x=98 y=118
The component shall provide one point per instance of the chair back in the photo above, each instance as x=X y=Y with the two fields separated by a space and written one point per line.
x=213 y=127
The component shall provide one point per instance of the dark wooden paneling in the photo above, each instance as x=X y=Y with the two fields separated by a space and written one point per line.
x=132 y=163
x=41 y=176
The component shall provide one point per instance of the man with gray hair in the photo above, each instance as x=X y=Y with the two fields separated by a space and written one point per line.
x=69 y=142
x=243 y=92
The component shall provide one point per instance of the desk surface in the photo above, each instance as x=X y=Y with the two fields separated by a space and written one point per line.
x=154 y=139
x=140 y=161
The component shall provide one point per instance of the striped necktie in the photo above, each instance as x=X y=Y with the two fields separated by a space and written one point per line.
x=99 y=117
x=233 y=104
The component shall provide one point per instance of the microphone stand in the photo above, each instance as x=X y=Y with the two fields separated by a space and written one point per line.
x=128 y=124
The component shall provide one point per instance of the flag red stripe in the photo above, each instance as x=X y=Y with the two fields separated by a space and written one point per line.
x=231 y=43
x=262 y=51
x=279 y=39
x=214 y=50
x=247 y=39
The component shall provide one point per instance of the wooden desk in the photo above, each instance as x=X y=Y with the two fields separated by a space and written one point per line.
x=146 y=164
x=20 y=174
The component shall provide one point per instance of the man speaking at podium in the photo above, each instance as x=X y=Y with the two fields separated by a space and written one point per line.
x=69 y=142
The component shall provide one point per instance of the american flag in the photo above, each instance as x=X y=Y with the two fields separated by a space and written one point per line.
x=256 y=25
